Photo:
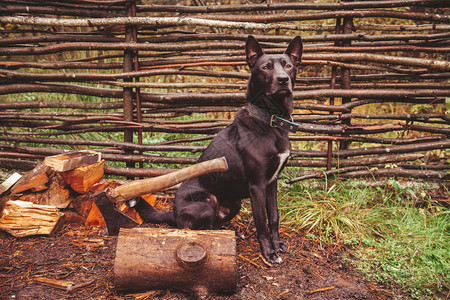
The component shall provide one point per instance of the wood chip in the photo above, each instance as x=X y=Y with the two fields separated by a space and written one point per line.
x=321 y=290
x=54 y=283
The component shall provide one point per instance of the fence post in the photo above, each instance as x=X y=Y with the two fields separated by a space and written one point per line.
x=332 y=86
x=128 y=91
x=138 y=90
x=347 y=28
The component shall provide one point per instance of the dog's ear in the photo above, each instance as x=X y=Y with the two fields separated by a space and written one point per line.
x=253 y=51
x=295 y=50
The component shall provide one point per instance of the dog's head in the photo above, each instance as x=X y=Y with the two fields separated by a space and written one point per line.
x=273 y=75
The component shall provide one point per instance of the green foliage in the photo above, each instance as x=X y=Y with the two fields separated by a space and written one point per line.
x=392 y=239
x=338 y=213
x=414 y=253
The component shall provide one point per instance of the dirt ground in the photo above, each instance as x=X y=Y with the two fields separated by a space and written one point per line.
x=85 y=257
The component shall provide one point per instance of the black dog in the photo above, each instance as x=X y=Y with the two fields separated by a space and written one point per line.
x=256 y=147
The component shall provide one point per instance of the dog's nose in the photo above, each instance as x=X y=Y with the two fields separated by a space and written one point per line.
x=283 y=79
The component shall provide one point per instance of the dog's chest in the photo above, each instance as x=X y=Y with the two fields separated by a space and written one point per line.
x=282 y=159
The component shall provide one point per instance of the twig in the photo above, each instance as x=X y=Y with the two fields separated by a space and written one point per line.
x=250 y=261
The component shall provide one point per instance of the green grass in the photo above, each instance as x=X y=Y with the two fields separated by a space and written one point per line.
x=391 y=239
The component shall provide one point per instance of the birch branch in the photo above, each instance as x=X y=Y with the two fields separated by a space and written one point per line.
x=246 y=22
x=149 y=21
x=282 y=6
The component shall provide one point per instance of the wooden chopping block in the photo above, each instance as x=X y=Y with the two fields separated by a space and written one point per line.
x=199 y=262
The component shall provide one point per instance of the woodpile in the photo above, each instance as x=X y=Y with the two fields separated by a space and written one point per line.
x=57 y=191
x=69 y=186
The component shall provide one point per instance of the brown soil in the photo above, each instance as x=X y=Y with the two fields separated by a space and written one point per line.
x=85 y=256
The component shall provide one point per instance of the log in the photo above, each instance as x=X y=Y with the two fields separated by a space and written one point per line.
x=21 y=218
x=69 y=161
x=81 y=179
x=199 y=262
x=35 y=180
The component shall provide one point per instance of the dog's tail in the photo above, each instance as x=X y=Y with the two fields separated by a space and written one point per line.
x=150 y=214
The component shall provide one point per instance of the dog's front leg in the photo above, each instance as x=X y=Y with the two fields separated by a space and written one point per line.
x=258 y=199
x=272 y=215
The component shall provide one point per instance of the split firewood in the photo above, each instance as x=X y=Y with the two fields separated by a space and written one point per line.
x=95 y=217
x=57 y=194
x=72 y=217
x=82 y=205
x=34 y=180
x=8 y=183
x=5 y=199
x=21 y=218
x=81 y=179
x=69 y=161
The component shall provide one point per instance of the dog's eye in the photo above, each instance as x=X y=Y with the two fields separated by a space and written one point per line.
x=265 y=68
x=288 y=66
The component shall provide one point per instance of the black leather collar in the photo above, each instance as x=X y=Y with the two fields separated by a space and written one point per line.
x=272 y=120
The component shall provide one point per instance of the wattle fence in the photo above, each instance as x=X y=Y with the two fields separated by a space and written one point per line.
x=148 y=84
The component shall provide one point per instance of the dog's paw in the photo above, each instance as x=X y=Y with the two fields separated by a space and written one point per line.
x=277 y=260
x=272 y=258
x=239 y=235
x=281 y=247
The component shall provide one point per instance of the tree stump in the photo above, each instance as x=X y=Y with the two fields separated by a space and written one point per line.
x=200 y=262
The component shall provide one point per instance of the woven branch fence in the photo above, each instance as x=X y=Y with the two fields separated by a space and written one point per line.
x=149 y=83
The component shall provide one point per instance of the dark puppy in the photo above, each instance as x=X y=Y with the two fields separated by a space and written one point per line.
x=256 y=147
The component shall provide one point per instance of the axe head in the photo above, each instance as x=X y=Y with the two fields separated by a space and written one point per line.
x=114 y=218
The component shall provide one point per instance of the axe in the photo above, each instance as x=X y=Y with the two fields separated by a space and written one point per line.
x=115 y=219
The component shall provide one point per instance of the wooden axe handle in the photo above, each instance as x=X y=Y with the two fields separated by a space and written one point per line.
x=141 y=187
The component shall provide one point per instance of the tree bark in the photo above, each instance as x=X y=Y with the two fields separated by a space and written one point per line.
x=200 y=262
